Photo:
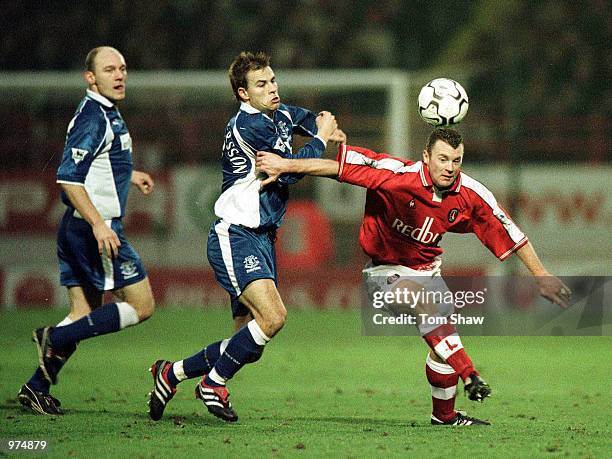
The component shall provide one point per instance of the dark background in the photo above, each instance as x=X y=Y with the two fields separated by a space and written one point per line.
x=537 y=72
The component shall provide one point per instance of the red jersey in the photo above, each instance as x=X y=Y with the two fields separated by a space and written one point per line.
x=405 y=217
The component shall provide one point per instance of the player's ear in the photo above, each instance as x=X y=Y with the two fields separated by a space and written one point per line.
x=90 y=78
x=244 y=94
x=426 y=157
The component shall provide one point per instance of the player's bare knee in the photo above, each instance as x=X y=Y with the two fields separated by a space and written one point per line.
x=274 y=321
x=280 y=319
x=145 y=308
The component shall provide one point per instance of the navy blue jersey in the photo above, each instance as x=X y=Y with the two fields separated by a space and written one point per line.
x=98 y=155
x=241 y=201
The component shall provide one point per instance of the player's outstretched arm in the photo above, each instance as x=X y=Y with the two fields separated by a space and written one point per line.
x=106 y=237
x=273 y=165
x=551 y=287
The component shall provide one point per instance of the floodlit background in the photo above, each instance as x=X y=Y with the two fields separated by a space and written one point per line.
x=537 y=131
x=537 y=134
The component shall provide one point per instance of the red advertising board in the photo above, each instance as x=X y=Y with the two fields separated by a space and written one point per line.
x=197 y=287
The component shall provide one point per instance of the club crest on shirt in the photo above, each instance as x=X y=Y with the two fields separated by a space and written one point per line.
x=284 y=130
x=452 y=215
x=370 y=162
x=503 y=218
x=392 y=278
x=128 y=269
x=78 y=155
x=251 y=263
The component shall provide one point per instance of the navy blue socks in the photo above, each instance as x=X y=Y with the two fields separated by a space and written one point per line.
x=246 y=346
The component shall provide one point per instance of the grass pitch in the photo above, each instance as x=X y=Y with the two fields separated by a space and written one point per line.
x=321 y=389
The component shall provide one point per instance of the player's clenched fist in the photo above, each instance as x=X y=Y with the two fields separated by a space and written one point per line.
x=326 y=125
x=143 y=181
x=338 y=136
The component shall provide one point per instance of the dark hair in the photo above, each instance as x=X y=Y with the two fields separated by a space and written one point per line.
x=244 y=63
x=449 y=136
x=90 y=60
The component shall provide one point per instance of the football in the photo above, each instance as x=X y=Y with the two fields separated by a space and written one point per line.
x=443 y=102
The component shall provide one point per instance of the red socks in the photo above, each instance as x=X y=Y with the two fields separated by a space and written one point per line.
x=443 y=380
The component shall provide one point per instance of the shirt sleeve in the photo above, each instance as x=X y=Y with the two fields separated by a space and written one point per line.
x=305 y=124
x=304 y=121
x=367 y=168
x=85 y=137
x=492 y=224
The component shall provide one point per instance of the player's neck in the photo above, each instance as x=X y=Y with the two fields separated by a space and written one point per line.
x=443 y=190
x=268 y=113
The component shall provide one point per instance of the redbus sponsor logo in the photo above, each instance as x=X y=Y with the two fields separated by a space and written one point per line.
x=421 y=234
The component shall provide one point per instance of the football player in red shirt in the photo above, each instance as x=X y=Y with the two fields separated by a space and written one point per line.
x=409 y=206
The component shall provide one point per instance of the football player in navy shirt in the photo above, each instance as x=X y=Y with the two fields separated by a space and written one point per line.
x=240 y=245
x=95 y=174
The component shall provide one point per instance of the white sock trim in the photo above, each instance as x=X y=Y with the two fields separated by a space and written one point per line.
x=179 y=371
x=438 y=367
x=127 y=315
x=66 y=321
x=258 y=335
x=443 y=393
x=216 y=378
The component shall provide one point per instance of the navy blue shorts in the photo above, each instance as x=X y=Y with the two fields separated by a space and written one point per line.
x=80 y=262
x=238 y=256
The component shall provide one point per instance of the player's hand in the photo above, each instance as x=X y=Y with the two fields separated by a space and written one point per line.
x=143 y=181
x=553 y=289
x=326 y=125
x=271 y=164
x=108 y=241
x=338 y=136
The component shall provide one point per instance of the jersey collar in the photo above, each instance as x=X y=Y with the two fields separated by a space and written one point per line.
x=253 y=111
x=427 y=183
x=99 y=98
x=248 y=108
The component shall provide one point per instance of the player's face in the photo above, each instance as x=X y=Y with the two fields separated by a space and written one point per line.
x=109 y=76
x=444 y=163
x=261 y=91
